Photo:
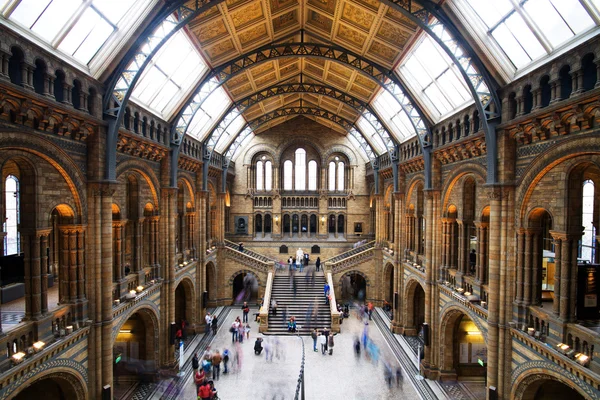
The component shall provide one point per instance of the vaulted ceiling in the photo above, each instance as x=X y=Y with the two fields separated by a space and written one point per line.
x=366 y=27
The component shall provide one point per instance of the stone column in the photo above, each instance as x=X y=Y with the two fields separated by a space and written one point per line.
x=118 y=272
x=461 y=248
x=483 y=252
x=44 y=261
x=73 y=265
x=495 y=258
x=4 y=57
x=557 y=270
x=138 y=240
x=520 y=265
x=64 y=266
x=36 y=275
x=528 y=270
x=536 y=269
x=453 y=248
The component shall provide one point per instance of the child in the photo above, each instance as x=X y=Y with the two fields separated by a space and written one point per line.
x=247 y=331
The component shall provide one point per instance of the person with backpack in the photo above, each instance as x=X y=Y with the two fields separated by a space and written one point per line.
x=214 y=325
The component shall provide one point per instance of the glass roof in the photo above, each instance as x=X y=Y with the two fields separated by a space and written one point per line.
x=78 y=28
x=233 y=129
x=392 y=114
x=170 y=76
x=527 y=30
x=434 y=78
x=209 y=114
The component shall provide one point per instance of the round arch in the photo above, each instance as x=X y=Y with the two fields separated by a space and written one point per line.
x=210 y=286
x=187 y=182
x=185 y=300
x=253 y=151
x=148 y=175
x=414 y=306
x=237 y=278
x=69 y=381
x=345 y=280
x=477 y=171
x=527 y=379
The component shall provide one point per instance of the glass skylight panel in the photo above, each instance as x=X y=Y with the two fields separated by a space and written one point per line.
x=390 y=111
x=87 y=36
x=76 y=27
x=232 y=130
x=114 y=10
x=527 y=30
x=167 y=80
x=374 y=138
x=208 y=114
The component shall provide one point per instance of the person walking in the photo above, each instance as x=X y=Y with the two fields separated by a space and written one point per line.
x=323 y=342
x=241 y=332
x=195 y=362
x=216 y=364
x=318 y=263
x=213 y=324
x=245 y=311
x=208 y=318
x=225 y=361
x=234 y=330
x=330 y=343
x=314 y=335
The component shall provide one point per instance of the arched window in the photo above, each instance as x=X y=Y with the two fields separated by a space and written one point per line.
x=300 y=169
x=331 y=176
x=312 y=175
x=259 y=176
x=287 y=175
x=587 y=240
x=340 y=175
x=268 y=175
x=12 y=197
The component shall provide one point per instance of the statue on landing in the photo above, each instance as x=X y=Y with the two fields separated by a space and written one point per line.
x=299 y=255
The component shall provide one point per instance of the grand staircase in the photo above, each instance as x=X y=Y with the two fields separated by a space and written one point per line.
x=307 y=296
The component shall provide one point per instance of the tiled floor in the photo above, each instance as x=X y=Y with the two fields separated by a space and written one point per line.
x=13 y=312
x=339 y=376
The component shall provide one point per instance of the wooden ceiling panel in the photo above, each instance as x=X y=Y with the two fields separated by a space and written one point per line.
x=262 y=69
x=324 y=5
x=247 y=15
x=394 y=34
x=220 y=50
x=351 y=36
x=254 y=35
x=383 y=52
x=210 y=31
x=357 y=16
x=319 y=21
x=337 y=81
x=286 y=21
x=280 y=5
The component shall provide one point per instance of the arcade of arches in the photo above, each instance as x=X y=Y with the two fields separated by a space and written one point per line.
x=455 y=184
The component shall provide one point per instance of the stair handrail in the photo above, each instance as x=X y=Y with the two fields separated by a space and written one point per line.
x=263 y=312
x=335 y=314
x=266 y=262
x=350 y=253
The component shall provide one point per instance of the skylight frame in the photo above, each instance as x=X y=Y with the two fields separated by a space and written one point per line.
x=482 y=32
x=102 y=56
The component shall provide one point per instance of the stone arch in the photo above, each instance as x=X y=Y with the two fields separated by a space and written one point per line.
x=527 y=377
x=357 y=272
x=408 y=308
x=150 y=310
x=185 y=178
x=230 y=283
x=56 y=157
x=389 y=286
x=257 y=149
x=545 y=162
x=479 y=175
x=297 y=142
x=189 y=291
x=68 y=374
x=412 y=187
x=345 y=150
x=145 y=172
x=450 y=314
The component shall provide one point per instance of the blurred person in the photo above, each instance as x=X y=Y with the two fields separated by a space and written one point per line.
x=195 y=362
x=216 y=364
x=323 y=342
x=258 y=348
x=245 y=310
x=357 y=346
x=241 y=333
x=225 y=361
x=214 y=325
x=314 y=335
x=398 y=375
x=387 y=373
x=318 y=263
x=247 y=329
x=330 y=343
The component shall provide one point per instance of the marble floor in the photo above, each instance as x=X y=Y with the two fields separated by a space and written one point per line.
x=13 y=312
x=342 y=375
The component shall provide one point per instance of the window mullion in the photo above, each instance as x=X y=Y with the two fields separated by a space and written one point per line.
x=60 y=36
x=534 y=29
x=591 y=10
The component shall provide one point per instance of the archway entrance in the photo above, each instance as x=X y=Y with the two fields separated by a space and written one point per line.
x=184 y=303
x=549 y=389
x=245 y=288
x=463 y=346
x=134 y=352
x=52 y=388
x=354 y=287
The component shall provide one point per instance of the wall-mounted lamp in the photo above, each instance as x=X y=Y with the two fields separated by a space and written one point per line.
x=473 y=333
x=139 y=289
x=37 y=346
x=277 y=220
x=125 y=331
x=323 y=220
x=18 y=357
